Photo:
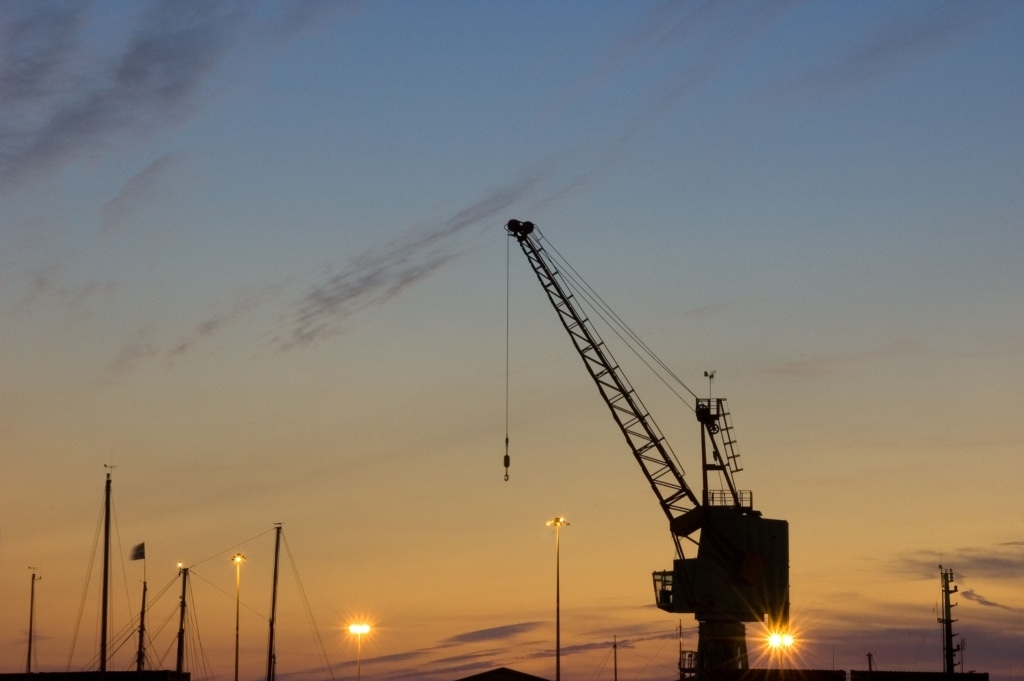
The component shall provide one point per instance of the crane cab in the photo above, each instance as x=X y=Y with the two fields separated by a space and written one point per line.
x=740 y=573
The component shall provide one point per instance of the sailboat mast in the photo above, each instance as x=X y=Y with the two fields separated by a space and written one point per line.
x=180 y=666
x=140 y=656
x=106 y=576
x=271 y=653
x=31 y=619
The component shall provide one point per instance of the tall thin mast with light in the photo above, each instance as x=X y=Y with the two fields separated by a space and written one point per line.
x=557 y=523
x=237 y=560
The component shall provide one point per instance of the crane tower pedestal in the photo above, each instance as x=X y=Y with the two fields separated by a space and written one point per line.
x=721 y=645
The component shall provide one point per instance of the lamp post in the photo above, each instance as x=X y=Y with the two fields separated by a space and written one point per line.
x=557 y=523
x=237 y=560
x=359 y=630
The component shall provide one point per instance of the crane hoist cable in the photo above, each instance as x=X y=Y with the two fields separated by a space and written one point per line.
x=508 y=258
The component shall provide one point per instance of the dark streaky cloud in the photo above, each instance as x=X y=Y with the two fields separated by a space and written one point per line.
x=62 y=97
x=36 y=40
x=892 y=45
x=68 y=109
x=972 y=595
x=118 y=211
x=493 y=633
x=998 y=562
x=376 y=277
x=294 y=18
x=243 y=305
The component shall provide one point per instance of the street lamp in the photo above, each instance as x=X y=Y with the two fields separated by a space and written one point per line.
x=557 y=523
x=359 y=630
x=237 y=560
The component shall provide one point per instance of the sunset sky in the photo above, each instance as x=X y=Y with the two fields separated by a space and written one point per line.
x=252 y=256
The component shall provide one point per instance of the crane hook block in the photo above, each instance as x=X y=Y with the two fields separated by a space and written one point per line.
x=520 y=230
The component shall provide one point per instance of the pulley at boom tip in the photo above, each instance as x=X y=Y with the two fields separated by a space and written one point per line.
x=519 y=229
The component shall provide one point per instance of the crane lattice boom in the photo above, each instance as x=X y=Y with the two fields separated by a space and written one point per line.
x=645 y=440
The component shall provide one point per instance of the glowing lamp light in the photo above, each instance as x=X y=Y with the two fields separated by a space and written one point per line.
x=780 y=640
x=779 y=646
x=358 y=630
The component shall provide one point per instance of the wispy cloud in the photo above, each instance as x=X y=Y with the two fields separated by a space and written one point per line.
x=241 y=306
x=294 y=18
x=36 y=40
x=142 y=346
x=893 y=43
x=972 y=595
x=47 y=286
x=81 y=100
x=63 y=96
x=829 y=364
x=997 y=562
x=377 y=276
x=118 y=211
x=494 y=633
x=710 y=34
x=720 y=35
x=149 y=344
x=368 y=279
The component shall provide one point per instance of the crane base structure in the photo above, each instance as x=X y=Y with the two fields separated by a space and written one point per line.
x=740 y=574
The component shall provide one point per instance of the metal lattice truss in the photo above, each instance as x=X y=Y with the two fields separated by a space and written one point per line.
x=659 y=465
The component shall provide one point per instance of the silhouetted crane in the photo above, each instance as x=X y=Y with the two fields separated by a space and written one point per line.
x=740 y=572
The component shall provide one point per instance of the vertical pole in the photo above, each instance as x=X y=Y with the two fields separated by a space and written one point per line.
x=558 y=607
x=106 y=577
x=615 y=658
x=31 y=621
x=557 y=524
x=359 y=657
x=180 y=665
x=237 y=560
x=140 y=656
x=704 y=461
x=238 y=602
x=271 y=654
x=948 y=649
x=681 y=660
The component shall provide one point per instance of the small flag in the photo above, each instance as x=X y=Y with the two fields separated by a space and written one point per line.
x=139 y=552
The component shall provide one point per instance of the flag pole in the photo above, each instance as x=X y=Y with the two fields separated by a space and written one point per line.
x=139 y=553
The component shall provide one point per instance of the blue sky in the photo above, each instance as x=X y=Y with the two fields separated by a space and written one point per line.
x=251 y=253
